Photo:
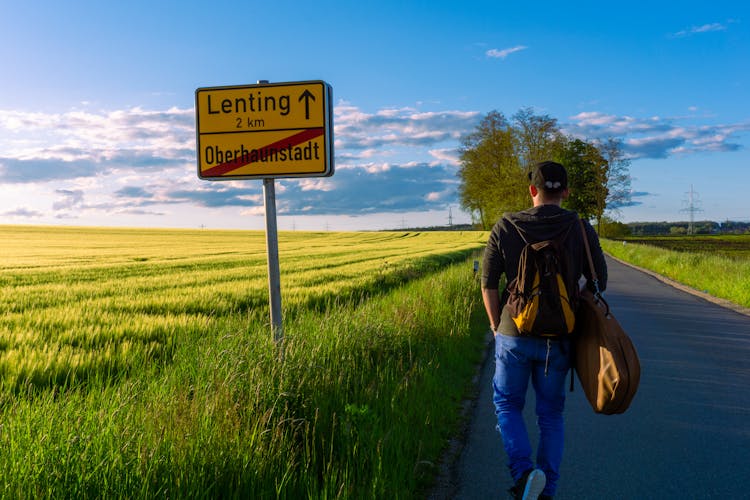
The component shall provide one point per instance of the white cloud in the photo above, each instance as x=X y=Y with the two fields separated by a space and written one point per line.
x=139 y=162
x=315 y=184
x=39 y=146
x=253 y=211
x=356 y=131
x=502 y=54
x=704 y=28
x=35 y=147
x=69 y=199
x=23 y=212
x=447 y=156
x=657 y=137
x=373 y=168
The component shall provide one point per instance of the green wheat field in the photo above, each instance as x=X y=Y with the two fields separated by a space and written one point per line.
x=140 y=363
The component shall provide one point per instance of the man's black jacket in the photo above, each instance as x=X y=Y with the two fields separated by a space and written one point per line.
x=540 y=223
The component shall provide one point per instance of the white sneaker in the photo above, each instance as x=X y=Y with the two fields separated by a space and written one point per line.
x=534 y=485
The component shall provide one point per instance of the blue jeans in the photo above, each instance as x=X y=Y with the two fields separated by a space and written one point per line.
x=546 y=363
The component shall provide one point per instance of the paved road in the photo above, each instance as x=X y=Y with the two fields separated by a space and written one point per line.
x=687 y=434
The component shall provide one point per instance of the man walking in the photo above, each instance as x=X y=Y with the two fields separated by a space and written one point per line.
x=544 y=360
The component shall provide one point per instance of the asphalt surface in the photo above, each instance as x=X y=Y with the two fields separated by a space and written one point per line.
x=687 y=433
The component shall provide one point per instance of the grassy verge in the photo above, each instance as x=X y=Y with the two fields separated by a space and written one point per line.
x=720 y=276
x=359 y=404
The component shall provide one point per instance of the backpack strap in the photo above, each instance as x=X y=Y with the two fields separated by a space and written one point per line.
x=560 y=239
x=594 y=276
x=518 y=231
x=597 y=292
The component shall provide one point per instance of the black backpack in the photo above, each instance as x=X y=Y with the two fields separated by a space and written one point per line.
x=540 y=301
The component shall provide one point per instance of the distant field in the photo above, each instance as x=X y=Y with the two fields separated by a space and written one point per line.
x=734 y=246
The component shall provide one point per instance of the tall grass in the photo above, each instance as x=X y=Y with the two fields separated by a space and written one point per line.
x=357 y=404
x=717 y=275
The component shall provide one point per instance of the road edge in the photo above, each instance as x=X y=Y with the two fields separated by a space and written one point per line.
x=445 y=485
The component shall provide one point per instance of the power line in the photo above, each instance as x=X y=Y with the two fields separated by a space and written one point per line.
x=693 y=207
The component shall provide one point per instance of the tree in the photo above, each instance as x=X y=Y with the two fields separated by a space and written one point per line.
x=613 y=229
x=586 y=175
x=618 y=174
x=497 y=156
x=495 y=159
x=490 y=174
x=537 y=135
x=598 y=177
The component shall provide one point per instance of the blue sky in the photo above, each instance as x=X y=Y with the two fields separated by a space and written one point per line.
x=97 y=119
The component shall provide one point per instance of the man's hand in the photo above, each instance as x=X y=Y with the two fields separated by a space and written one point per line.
x=491 y=298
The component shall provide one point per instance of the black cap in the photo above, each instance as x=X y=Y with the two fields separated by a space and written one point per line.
x=549 y=176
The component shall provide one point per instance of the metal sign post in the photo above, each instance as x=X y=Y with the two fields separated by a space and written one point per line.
x=265 y=131
x=272 y=248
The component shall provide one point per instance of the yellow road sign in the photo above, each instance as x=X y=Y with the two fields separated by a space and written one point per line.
x=266 y=130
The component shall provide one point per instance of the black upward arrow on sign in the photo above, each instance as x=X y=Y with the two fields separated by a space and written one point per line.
x=307 y=95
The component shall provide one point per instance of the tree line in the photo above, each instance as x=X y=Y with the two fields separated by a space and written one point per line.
x=496 y=157
x=684 y=228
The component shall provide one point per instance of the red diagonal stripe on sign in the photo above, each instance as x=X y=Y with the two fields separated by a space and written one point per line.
x=294 y=140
